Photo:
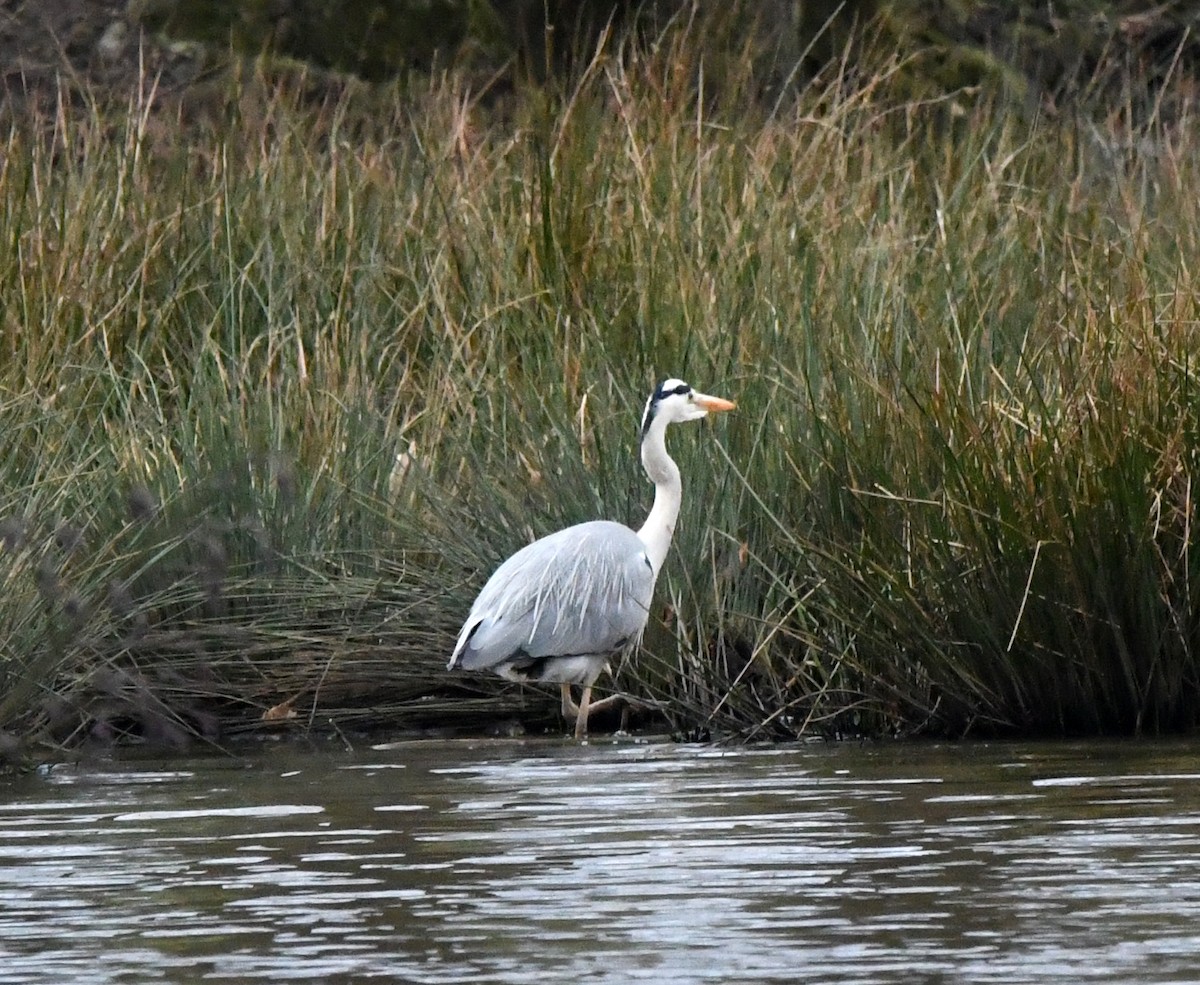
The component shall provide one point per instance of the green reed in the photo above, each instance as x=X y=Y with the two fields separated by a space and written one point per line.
x=277 y=396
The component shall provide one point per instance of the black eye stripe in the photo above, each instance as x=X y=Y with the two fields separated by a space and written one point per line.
x=679 y=390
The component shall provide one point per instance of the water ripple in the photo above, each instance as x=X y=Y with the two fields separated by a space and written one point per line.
x=521 y=863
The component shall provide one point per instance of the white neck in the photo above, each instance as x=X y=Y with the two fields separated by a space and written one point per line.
x=659 y=527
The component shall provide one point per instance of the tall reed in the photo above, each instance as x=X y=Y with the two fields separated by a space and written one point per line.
x=277 y=395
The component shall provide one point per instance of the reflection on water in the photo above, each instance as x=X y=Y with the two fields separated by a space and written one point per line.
x=543 y=862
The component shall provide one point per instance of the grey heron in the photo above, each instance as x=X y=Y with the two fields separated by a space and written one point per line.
x=561 y=607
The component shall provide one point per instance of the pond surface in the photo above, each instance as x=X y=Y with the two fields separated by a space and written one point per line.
x=499 y=861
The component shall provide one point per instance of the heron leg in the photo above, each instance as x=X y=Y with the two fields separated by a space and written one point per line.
x=570 y=710
x=602 y=704
x=580 y=713
x=581 y=718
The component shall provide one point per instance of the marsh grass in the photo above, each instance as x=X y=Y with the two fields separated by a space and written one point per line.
x=277 y=396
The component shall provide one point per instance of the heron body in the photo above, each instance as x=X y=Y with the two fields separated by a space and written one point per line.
x=547 y=624
x=560 y=608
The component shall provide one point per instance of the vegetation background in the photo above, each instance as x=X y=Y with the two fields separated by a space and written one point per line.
x=314 y=312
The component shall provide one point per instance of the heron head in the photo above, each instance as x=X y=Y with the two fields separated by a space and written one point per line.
x=674 y=401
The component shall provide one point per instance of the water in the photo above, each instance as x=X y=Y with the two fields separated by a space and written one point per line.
x=544 y=862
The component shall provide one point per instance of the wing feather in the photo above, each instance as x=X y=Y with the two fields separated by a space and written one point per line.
x=582 y=590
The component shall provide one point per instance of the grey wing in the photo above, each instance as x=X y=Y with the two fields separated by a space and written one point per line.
x=583 y=590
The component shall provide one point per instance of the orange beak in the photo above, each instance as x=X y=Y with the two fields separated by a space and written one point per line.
x=712 y=404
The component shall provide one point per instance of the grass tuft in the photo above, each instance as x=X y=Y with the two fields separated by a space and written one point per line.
x=274 y=406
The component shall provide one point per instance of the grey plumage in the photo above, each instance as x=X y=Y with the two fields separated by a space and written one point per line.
x=583 y=592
